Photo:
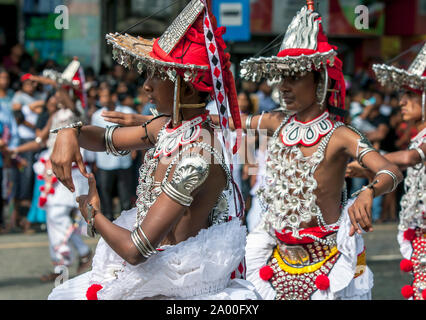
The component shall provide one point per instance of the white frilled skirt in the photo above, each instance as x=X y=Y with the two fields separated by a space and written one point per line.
x=197 y=268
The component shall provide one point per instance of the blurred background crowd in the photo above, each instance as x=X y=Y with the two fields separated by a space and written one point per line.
x=34 y=43
x=27 y=103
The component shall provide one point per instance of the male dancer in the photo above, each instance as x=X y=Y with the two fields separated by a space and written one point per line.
x=178 y=242
x=411 y=229
x=308 y=244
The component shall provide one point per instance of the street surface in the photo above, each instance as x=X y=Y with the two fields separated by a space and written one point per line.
x=24 y=258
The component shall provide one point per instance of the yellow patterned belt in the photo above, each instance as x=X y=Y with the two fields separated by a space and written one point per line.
x=360 y=266
x=306 y=269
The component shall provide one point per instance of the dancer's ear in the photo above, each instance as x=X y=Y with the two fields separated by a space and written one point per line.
x=189 y=93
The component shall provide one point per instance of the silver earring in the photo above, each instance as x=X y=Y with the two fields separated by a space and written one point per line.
x=322 y=88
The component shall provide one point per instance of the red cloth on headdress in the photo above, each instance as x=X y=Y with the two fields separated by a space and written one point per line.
x=335 y=72
x=191 y=49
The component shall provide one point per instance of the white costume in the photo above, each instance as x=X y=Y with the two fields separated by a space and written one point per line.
x=60 y=203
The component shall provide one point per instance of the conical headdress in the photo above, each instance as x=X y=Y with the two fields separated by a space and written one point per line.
x=414 y=78
x=305 y=48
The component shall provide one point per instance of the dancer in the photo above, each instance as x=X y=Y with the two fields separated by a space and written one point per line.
x=411 y=228
x=179 y=242
x=65 y=225
x=308 y=244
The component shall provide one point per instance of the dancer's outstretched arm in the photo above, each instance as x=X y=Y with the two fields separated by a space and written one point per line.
x=269 y=121
x=403 y=159
x=186 y=189
x=68 y=142
x=386 y=176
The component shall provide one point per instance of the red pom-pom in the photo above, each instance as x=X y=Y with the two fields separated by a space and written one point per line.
x=40 y=177
x=52 y=191
x=42 y=188
x=409 y=234
x=92 y=292
x=322 y=282
x=266 y=273
x=54 y=179
x=407 y=291
x=43 y=160
x=42 y=201
x=406 y=265
x=424 y=294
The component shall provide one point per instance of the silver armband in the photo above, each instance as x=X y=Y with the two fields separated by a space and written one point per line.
x=420 y=165
x=393 y=176
x=363 y=142
x=189 y=174
x=109 y=146
x=144 y=246
x=362 y=154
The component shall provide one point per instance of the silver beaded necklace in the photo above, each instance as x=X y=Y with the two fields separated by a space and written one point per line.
x=148 y=189
x=287 y=196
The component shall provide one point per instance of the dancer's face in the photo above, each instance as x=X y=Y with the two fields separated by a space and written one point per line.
x=298 y=92
x=160 y=93
x=411 y=106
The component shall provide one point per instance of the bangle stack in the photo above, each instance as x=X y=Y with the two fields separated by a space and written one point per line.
x=362 y=154
x=393 y=176
x=144 y=247
x=109 y=146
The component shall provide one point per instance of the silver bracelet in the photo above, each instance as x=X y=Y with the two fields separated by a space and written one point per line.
x=420 y=165
x=421 y=153
x=152 y=249
x=259 y=121
x=109 y=146
x=77 y=125
x=370 y=185
x=394 y=178
x=138 y=244
x=248 y=121
x=146 y=250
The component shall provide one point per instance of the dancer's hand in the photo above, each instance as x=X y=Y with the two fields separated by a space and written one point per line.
x=91 y=198
x=354 y=170
x=66 y=151
x=125 y=119
x=360 y=213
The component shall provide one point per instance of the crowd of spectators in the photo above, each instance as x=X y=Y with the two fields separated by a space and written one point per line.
x=24 y=109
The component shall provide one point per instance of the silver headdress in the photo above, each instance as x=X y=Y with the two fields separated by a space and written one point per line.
x=129 y=50
x=302 y=33
x=414 y=78
x=397 y=78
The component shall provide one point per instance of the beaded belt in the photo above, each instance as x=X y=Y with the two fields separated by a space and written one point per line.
x=306 y=256
x=297 y=267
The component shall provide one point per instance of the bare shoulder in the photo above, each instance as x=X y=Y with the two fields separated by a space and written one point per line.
x=345 y=135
